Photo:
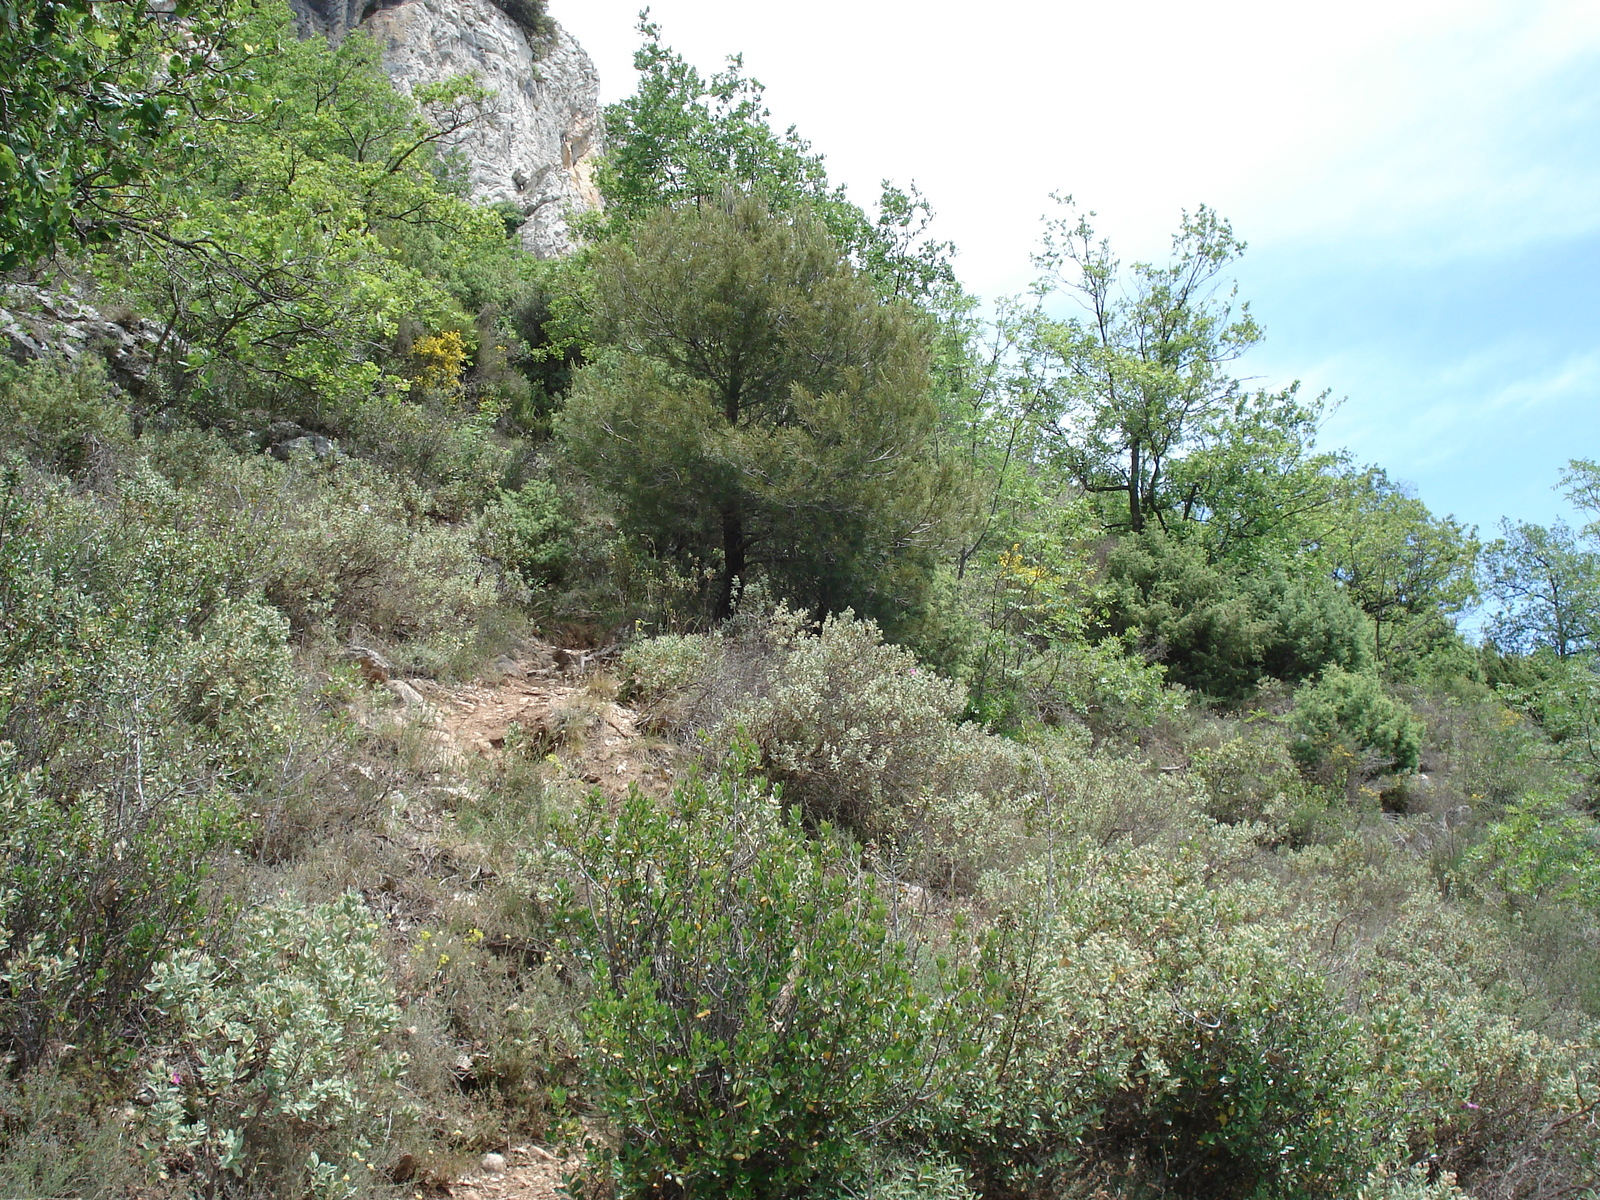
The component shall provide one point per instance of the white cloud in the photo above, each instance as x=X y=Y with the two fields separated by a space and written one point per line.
x=1414 y=123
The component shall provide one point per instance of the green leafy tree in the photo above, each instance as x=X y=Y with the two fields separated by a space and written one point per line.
x=760 y=410
x=684 y=137
x=1143 y=373
x=1249 y=485
x=297 y=236
x=1409 y=571
x=88 y=90
x=1547 y=587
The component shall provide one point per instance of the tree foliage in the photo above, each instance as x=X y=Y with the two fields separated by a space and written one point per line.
x=684 y=137
x=1220 y=631
x=296 y=236
x=1143 y=373
x=88 y=93
x=1547 y=587
x=1409 y=571
x=761 y=410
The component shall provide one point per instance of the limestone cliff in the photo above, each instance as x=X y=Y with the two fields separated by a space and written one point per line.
x=536 y=147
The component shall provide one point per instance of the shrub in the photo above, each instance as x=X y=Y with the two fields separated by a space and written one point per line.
x=1543 y=850
x=659 y=675
x=1108 y=799
x=1253 y=780
x=529 y=15
x=1353 y=711
x=95 y=890
x=1103 y=683
x=1453 y=1073
x=1219 y=633
x=751 y=1016
x=660 y=667
x=352 y=549
x=61 y=413
x=455 y=462
x=529 y=533
x=1148 y=1024
x=890 y=1177
x=854 y=729
x=59 y=1138
x=282 y=1072
x=1420 y=1182
x=139 y=701
x=439 y=360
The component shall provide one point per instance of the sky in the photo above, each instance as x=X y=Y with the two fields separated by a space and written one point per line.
x=1418 y=182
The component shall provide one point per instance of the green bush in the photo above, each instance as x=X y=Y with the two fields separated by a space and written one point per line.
x=95 y=890
x=1146 y=1024
x=282 y=1075
x=1353 y=712
x=1253 y=779
x=886 y=1176
x=61 y=413
x=1220 y=633
x=1456 y=1074
x=1543 y=851
x=660 y=676
x=1413 y=1183
x=658 y=668
x=1104 y=683
x=336 y=545
x=751 y=1018
x=529 y=533
x=529 y=15
x=456 y=462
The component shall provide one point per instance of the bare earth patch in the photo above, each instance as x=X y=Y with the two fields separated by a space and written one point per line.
x=532 y=1173
x=544 y=703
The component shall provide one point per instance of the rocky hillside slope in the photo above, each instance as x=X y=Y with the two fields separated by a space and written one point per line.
x=538 y=146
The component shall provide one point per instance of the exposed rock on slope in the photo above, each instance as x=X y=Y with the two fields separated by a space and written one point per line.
x=37 y=323
x=331 y=18
x=537 y=147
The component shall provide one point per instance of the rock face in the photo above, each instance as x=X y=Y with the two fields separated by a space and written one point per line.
x=537 y=147
x=330 y=18
x=38 y=323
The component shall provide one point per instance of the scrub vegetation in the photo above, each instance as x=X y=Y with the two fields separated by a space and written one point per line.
x=1062 y=776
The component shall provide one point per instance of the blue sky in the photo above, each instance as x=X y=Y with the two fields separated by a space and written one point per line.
x=1419 y=182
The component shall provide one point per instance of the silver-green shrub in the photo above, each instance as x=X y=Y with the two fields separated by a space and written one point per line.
x=658 y=674
x=282 y=1069
x=860 y=734
x=1147 y=1022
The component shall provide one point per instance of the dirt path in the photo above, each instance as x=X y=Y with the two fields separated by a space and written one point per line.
x=544 y=704
x=531 y=1173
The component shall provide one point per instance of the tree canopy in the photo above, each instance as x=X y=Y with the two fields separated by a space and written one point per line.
x=761 y=409
x=88 y=91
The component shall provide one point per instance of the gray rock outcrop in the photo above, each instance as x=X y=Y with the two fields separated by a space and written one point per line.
x=331 y=19
x=536 y=147
x=37 y=322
